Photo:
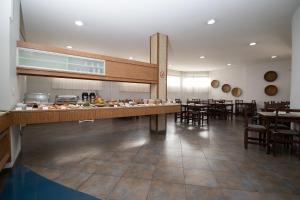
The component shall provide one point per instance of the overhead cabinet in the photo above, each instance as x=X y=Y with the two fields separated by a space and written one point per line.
x=41 y=60
x=32 y=58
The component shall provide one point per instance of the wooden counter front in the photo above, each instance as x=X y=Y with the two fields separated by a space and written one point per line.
x=49 y=116
x=5 y=122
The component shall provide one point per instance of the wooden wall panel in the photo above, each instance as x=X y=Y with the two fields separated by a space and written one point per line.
x=129 y=71
x=116 y=69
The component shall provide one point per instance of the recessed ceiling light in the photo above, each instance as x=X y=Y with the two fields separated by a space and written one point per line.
x=69 y=47
x=130 y=58
x=202 y=57
x=273 y=57
x=211 y=21
x=79 y=23
x=252 y=44
x=229 y=64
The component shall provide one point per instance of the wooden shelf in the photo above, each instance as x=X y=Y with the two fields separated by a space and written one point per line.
x=49 y=116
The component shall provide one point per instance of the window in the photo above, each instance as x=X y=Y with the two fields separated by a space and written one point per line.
x=195 y=82
x=173 y=83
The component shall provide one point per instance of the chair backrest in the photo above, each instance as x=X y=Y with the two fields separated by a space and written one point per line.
x=238 y=101
x=178 y=101
x=190 y=101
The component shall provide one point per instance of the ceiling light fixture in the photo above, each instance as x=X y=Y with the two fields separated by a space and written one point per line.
x=211 y=22
x=202 y=57
x=79 y=23
x=273 y=57
x=69 y=47
x=252 y=44
x=229 y=64
x=130 y=58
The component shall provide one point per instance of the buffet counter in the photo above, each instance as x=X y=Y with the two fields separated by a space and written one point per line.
x=62 y=115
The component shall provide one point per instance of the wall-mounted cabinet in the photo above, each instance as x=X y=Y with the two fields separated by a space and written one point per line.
x=41 y=60
x=31 y=58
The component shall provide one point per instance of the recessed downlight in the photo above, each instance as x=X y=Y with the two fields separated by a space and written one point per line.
x=202 y=57
x=69 y=47
x=229 y=64
x=273 y=57
x=78 y=23
x=130 y=58
x=252 y=44
x=211 y=22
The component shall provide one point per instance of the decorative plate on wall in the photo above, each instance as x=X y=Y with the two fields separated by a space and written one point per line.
x=271 y=90
x=237 y=92
x=270 y=76
x=215 y=84
x=226 y=88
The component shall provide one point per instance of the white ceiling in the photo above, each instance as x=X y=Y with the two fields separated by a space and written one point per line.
x=121 y=28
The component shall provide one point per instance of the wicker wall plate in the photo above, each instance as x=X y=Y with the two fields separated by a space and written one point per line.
x=215 y=84
x=270 y=76
x=226 y=88
x=271 y=90
x=237 y=92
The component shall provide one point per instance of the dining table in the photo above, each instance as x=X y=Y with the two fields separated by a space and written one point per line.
x=267 y=118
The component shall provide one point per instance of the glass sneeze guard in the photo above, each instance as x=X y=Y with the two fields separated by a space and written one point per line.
x=32 y=58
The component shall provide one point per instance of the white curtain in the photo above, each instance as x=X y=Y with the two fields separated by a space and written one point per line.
x=188 y=86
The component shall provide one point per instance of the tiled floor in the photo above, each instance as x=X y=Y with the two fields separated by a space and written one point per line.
x=119 y=159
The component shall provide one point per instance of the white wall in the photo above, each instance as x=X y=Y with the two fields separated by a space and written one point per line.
x=295 y=72
x=109 y=90
x=251 y=80
x=11 y=87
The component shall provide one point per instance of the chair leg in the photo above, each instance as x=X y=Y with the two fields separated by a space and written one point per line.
x=274 y=144
x=246 y=139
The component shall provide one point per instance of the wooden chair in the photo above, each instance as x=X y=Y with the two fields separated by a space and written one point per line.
x=287 y=138
x=254 y=128
x=220 y=111
x=177 y=115
x=193 y=115
x=238 y=107
x=204 y=116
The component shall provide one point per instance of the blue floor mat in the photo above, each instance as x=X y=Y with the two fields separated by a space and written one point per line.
x=21 y=183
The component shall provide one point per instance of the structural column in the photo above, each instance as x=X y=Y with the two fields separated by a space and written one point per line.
x=159 y=56
x=295 y=81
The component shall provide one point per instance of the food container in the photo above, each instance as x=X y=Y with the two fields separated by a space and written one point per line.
x=92 y=97
x=66 y=99
x=37 y=98
x=85 y=97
